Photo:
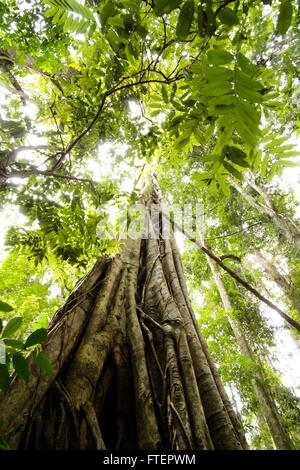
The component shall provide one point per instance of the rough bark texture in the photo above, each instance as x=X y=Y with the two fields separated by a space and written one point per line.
x=264 y=395
x=131 y=369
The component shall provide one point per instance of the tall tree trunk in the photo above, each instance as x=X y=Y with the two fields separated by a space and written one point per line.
x=285 y=225
x=267 y=440
x=131 y=368
x=272 y=272
x=285 y=287
x=267 y=403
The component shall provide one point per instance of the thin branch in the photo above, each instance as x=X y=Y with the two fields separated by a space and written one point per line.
x=14 y=153
x=26 y=173
x=230 y=256
x=58 y=129
x=234 y=233
x=14 y=91
x=109 y=93
x=223 y=5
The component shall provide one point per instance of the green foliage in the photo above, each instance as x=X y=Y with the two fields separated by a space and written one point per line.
x=215 y=88
x=228 y=17
x=4 y=307
x=162 y=7
x=43 y=363
x=27 y=291
x=38 y=336
x=12 y=326
x=285 y=17
x=13 y=352
x=185 y=19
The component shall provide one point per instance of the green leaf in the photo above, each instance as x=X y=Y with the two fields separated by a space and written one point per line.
x=219 y=74
x=264 y=166
x=72 y=5
x=218 y=57
x=283 y=150
x=247 y=132
x=50 y=12
x=245 y=81
x=37 y=337
x=162 y=7
x=223 y=100
x=272 y=172
x=141 y=30
x=201 y=20
x=287 y=154
x=211 y=158
x=213 y=189
x=237 y=156
x=12 y=326
x=276 y=142
x=183 y=139
x=257 y=161
x=246 y=87
x=249 y=114
x=228 y=16
x=211 y=19
x=221 y=182
x=279 y=170
x=13 y=343
x=268 y=137
x=216 y=89
x=245 y=64
x=4 y=377
x=164 y=94
x=289 y=163
x=201 y=176
x=21 y=366
x=233 y=171
x=249 y=94
x=44 y=363
x=4 y=307
x=285 y=17
x=185 y=19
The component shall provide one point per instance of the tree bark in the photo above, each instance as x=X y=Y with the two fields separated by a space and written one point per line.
x=131 y=369
x=272 y=272
x=285 y=287
x=267 y=403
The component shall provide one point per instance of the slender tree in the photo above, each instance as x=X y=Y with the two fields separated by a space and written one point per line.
x=266 y=400
x=285 y=225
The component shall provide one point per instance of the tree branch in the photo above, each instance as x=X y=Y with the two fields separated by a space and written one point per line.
x=6 y=162
x=229 y=256
x=233 y=233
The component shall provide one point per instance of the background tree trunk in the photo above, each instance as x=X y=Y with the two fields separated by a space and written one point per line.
x=267 y=403
x=285 y=287
x=285 y=225
x=272 y=272
x=131 y=369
